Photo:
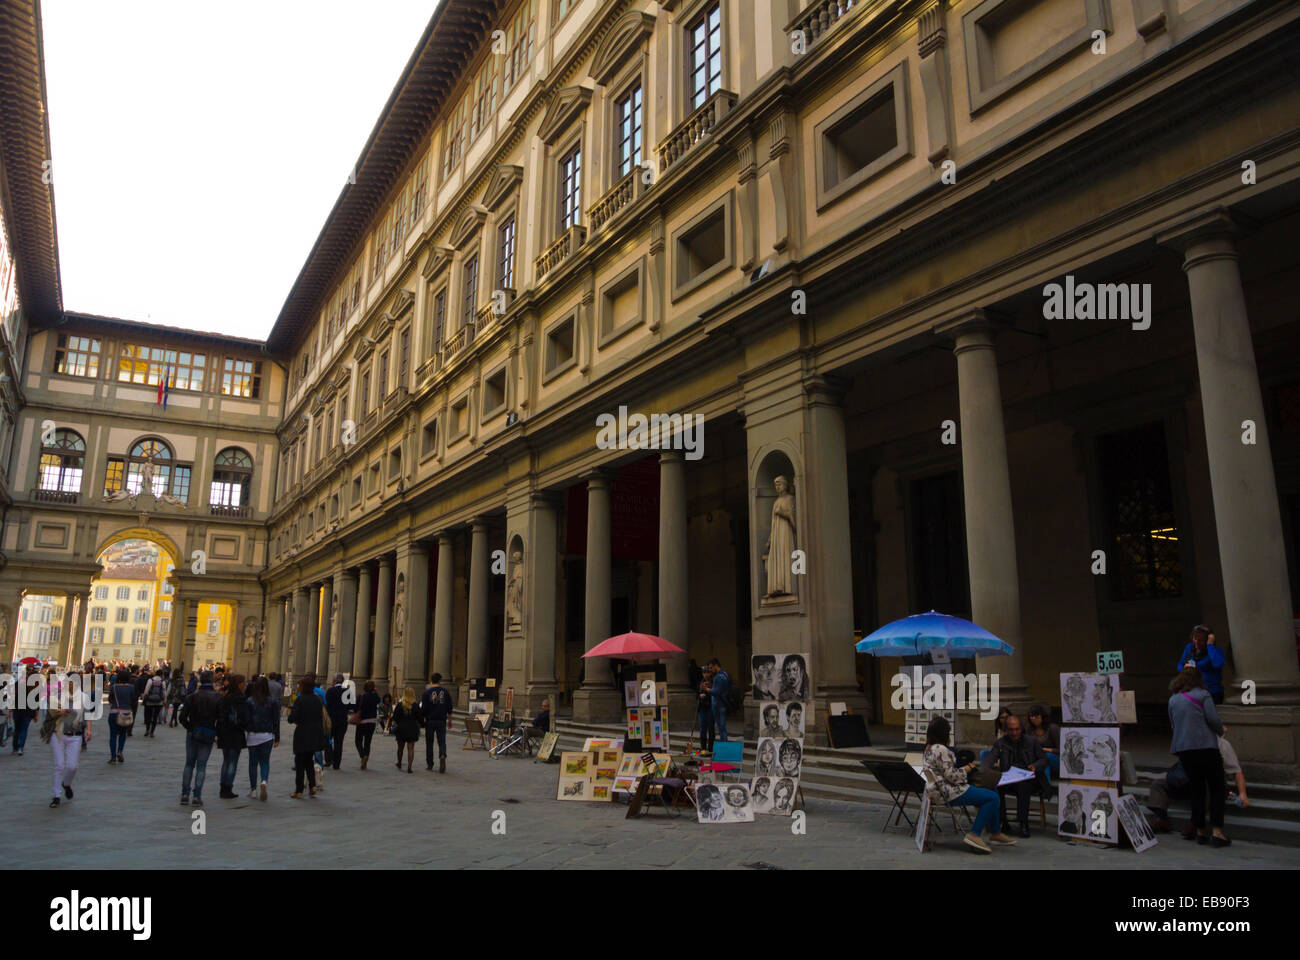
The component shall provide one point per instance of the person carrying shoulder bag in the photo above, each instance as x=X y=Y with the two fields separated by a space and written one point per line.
x=1197 y=729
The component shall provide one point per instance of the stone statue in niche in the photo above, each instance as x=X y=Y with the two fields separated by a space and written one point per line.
x=515 y=592
x=334 y=622
x=780 y=543
x=252 y=630
x=399 y=611
x=4 y=627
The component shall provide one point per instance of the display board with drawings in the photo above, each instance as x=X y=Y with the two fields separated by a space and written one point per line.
x=645 y=695
x=1088 y=813
x=589 y=774
x=633 y=767
x=723 y=803
x=782 y=685
x=1089 y=698
x=1135 y=823
x=1090 y=753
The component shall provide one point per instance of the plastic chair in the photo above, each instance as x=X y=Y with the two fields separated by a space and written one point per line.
x=728 y=756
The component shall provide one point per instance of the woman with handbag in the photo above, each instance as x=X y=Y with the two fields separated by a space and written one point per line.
x=364 y=717
x=309 y=719
x=68 y=732
x=121 y=714
x=951 y=784
x=1197 y=729
x=406 y=724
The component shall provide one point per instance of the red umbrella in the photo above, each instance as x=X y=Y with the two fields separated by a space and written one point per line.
x=29 y=660
x=634 y=646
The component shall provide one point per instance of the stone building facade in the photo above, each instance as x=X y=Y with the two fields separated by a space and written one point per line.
x=982 y=305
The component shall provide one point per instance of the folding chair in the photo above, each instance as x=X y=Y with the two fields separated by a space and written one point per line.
x=728 y=756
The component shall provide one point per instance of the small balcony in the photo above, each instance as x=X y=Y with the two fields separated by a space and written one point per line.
x=230 y=512
x=618 y=197
x=563 y=248
x=457 y=343
x=487 y=314
x=694 y=129
x=819 y=17
x=56 y=496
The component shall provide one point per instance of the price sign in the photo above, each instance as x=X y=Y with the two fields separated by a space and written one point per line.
x=1111 y=661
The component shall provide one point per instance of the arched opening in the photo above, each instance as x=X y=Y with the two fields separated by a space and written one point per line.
x=151 y=463
x=129 y=609
x=232 y=482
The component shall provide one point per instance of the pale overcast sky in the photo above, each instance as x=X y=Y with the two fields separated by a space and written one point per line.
x=199 y=146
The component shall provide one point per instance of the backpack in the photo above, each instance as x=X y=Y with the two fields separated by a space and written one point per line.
x=155 y=692
x=733 y=696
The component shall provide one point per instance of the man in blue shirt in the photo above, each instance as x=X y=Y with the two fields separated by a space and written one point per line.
x=721 y=690
x=1201 y=652
x=436 y=706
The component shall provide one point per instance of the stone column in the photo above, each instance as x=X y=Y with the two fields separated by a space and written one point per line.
x=383 y=626
x=361 y=627
x=11 y=604
x=413 y=561
x=990 y=522
x=539 y=603
x=176 y=642
x=480 y=570
x=443 y=609
x=674 y=584
x=315 y=655
x=324 y=634
x=302 y=632
x=74 y=620
x=345 y=588
x=597 y=700
x=1247 y=517
x=274 y=637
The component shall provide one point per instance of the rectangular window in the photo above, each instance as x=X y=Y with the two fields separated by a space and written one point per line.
x=165 y=605
x=705 y=38
x=141 y=614
x=520 y=36
x=101 y=593
x=571 y=189
x=124 y=593
x=1138 y=505
x=181 y=483
x=356 y=490
x=241 y=378
x=97 y=635
x=403 y=356
x=148 y=365
x=99 y=614
x=397 y=229
x=214 y=626
x=485 y=98
x=139 y=635
x=117 y=637
x=142 y=594
x=430 y=438
x=164 y=624
x=563 y=8
x=627 y=130
x=381 y=378
x=419 y=192
x=470 y=276
x=453 y=143
x=363 y=390
x=379 y=255
x=114 y=474
x=77 y=356
x=439 y=318
x=506 y=254
x=121 y=614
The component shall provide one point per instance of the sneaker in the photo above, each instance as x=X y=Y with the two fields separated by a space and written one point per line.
x=54 y=802
x=197 y=802
x=976 y=843
x=121 y=759
x=261 y=790
x=67 y=791
x=1002 y=839
x=295 y=796
x=185 y=800
x=252 y=794
x=112 y=759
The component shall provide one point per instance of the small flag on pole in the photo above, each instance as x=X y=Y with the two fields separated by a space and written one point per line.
x=164 y=387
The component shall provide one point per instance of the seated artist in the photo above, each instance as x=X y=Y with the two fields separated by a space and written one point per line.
x=1015 y=749
x=1048 y=734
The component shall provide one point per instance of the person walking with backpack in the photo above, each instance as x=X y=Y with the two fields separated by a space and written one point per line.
x=155 y=696
x=198 y=715
x=121 y=714
x=230 y=733
x=435 y=707
x=175 y=695
x=308 y=718
x=720 y=688
x=262 y=734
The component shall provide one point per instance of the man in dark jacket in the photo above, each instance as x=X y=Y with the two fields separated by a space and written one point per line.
x=336 y=705
x=721 y=690
x=435 y=707
x=1014 y=749
x=199 y=717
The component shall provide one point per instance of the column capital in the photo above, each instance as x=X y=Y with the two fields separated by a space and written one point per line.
x=478 y=525
x=1213 y=224
x=974 y=328
x=600 y=477
x=385 y=561
x=444 y=536
x=546 y=499
x=671 y=456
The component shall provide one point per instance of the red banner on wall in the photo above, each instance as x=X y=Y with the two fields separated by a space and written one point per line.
x=634 y=513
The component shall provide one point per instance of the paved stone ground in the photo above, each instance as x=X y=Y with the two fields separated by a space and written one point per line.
x=129 y=815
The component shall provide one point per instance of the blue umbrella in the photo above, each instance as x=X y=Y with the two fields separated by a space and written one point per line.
x=922 y=633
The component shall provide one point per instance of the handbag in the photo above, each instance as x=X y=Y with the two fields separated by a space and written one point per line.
x=354 y=718
x=125 y=720
x=325 y=719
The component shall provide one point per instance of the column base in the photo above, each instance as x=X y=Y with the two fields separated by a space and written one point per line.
x=599 y=705
x=1267 y=740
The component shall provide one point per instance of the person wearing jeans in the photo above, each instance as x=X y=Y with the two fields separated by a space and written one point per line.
x=721 y=689
x=262 y=733
x=948 y=783
x=230 y=733
x=367 y=710
x=21 y=716
x=199 y=718
x=121 y=701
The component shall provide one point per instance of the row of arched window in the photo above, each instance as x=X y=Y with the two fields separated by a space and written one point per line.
x=63 y=463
